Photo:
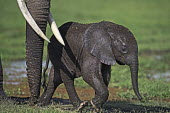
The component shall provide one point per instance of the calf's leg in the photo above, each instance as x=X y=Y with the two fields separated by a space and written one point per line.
x=106 y=73
x=68 y=81
x=93 y=76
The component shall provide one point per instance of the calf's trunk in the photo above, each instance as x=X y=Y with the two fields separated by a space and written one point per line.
x=134 y=77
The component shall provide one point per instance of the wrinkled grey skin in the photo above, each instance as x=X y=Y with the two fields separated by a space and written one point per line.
x=2 y=93
x=89 y=52
x=39 y=9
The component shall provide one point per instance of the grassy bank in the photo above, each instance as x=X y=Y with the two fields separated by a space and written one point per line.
x=147 y=19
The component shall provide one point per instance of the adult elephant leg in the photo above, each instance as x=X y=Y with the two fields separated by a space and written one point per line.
x=54 y=81
x=93 y=76
x=39 y=10
x=2 y=93
x=106 y=73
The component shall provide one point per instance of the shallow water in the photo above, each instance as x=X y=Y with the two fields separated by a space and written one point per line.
x=16 y=70
x=164 y=76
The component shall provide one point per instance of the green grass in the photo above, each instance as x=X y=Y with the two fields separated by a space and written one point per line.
x=11 y=107
x=147 y=19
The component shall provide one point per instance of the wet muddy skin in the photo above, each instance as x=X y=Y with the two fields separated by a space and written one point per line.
x=15 y=85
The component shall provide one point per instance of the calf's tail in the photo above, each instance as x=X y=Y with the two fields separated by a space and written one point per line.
x=44 y=85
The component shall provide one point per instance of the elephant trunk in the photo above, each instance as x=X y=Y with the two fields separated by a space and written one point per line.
x=2 y=93
x=134 y=77
x=39 y=10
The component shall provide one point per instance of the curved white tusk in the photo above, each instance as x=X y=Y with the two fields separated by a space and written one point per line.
x=30 y=19
x=54 y=29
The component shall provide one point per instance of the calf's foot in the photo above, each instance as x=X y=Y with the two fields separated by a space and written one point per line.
x=97 y=108
x=82 y=105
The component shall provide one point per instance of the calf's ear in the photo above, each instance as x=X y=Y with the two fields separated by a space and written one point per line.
x=98 y=42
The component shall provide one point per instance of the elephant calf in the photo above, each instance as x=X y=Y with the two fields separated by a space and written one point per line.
x=89 y=51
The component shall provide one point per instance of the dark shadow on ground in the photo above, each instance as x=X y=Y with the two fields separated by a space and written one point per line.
x=109 y=107
x=125 y=106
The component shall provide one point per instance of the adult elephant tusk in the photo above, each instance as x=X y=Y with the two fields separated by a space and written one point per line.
x=54 y=29
x=30 y=19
